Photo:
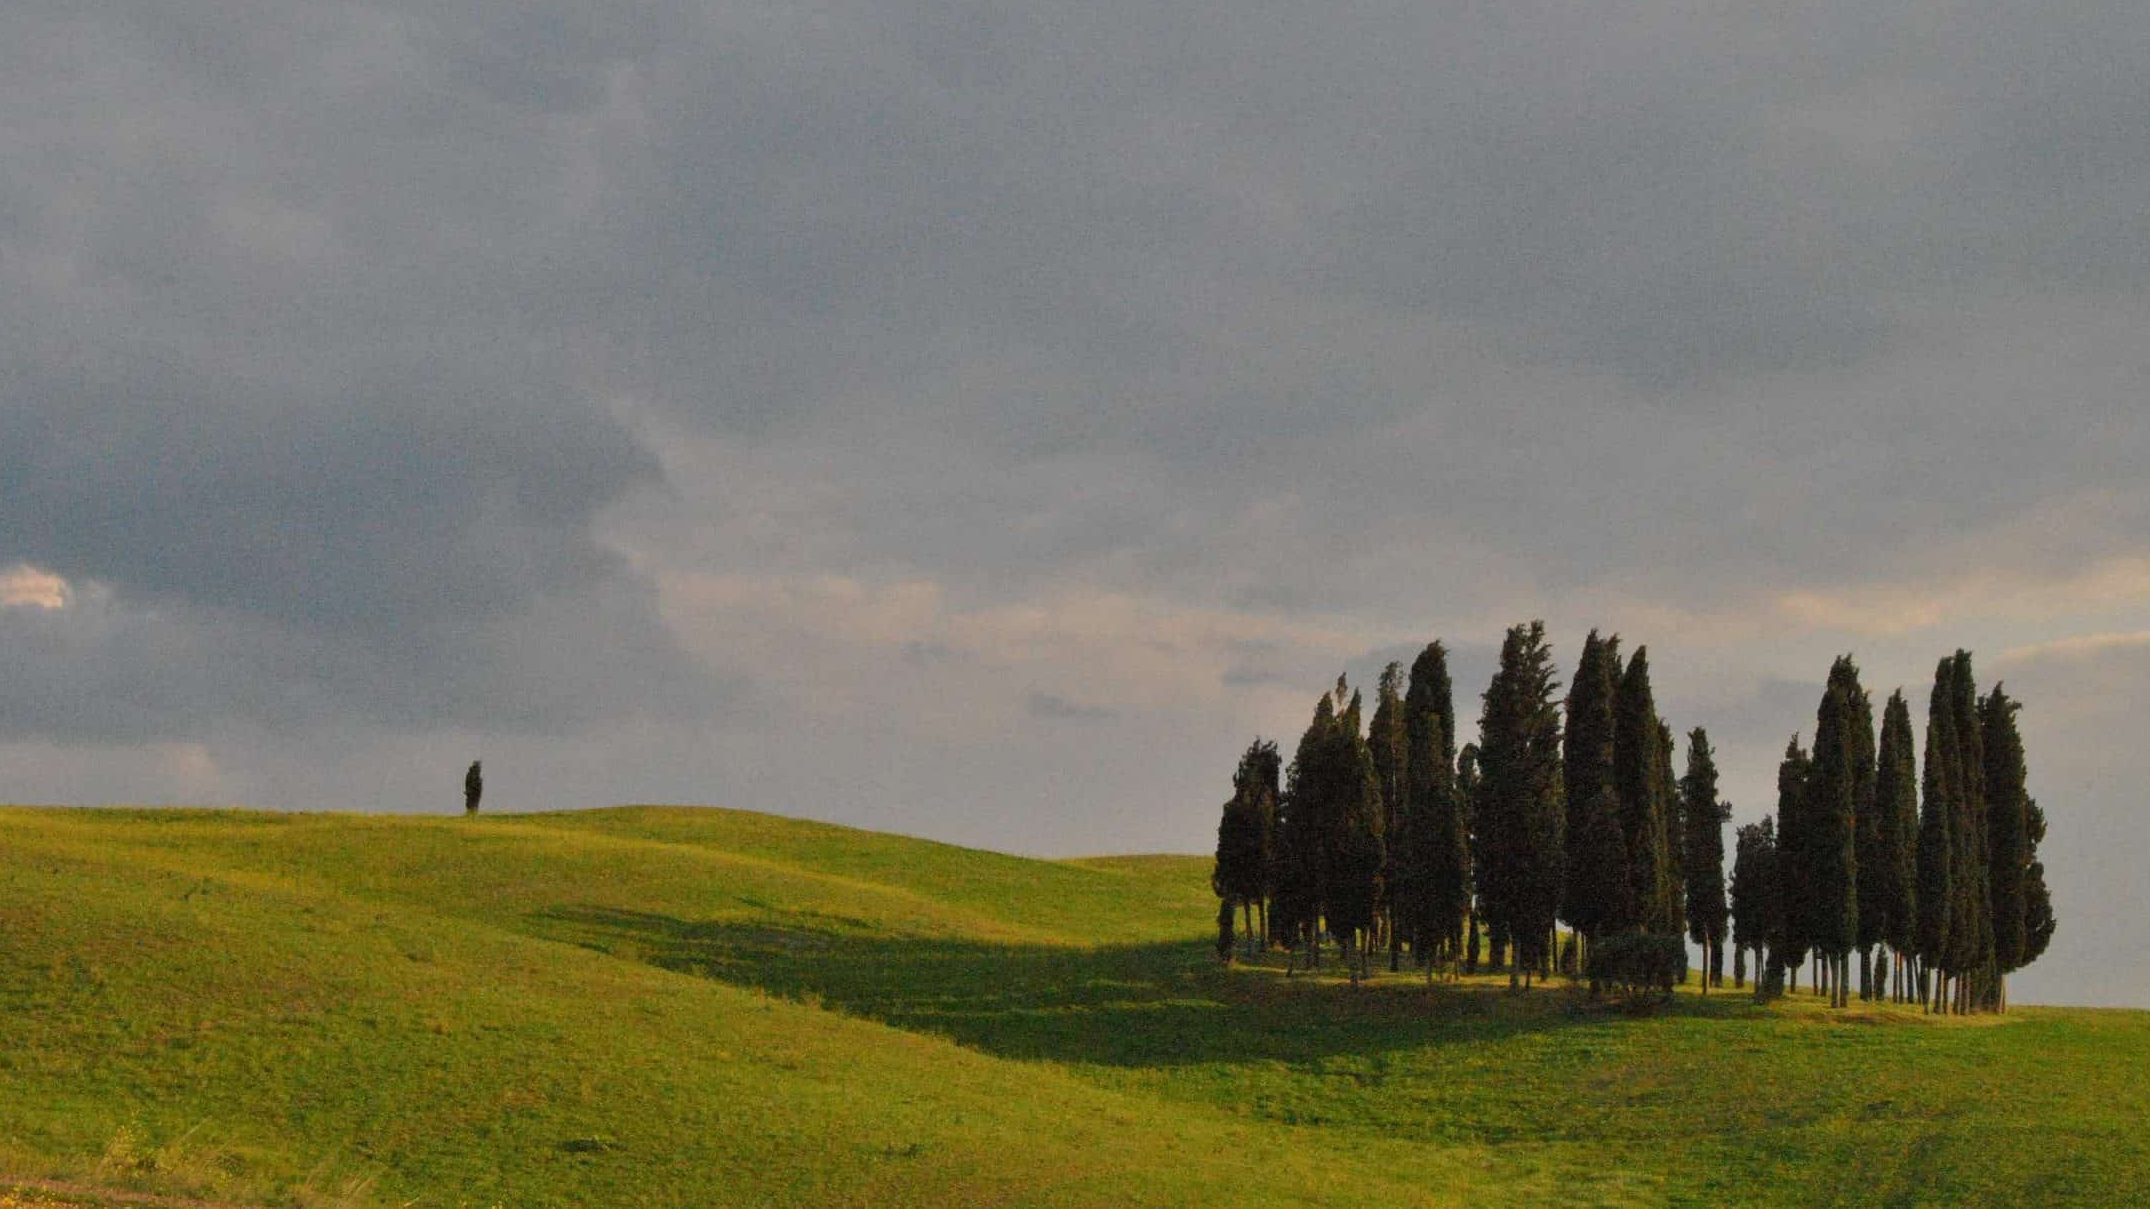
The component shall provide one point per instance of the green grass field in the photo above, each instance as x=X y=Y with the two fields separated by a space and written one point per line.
x=705 y=1007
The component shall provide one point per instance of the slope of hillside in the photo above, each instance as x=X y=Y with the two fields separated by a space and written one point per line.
x=690 y=1007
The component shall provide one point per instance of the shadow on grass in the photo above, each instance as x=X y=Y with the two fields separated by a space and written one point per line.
x=1128 y=1005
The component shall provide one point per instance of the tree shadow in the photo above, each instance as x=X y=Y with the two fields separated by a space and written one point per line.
x=1143 y=1005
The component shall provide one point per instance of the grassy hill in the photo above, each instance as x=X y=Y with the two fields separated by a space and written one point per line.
x=652 y=1006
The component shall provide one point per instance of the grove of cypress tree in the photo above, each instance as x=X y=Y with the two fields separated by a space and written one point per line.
x=1702 y=817
x=1888 y=877
x=1936 y=895
x=1594 y=896
x=1521 y=802
x=1639 y=780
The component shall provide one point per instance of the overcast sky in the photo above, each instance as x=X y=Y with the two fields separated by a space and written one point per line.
x=979 y=420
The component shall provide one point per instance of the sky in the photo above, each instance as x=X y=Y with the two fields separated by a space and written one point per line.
x=980 y=421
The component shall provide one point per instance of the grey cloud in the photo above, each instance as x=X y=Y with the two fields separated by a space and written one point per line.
x=1052 y=707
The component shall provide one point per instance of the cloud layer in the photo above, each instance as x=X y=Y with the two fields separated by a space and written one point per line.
x=978 y=422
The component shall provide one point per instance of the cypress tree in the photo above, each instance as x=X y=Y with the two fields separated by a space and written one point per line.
x=473 y=787
x=1468 y=791
x=1828 y=853
x=1241 y=875
x=1668 y=799
x=1594 y=897
x=2022 y=909
x=1297 y=893
x=1521 y=799
x=1755 y=894
x=1639 y=780
x=1888 y=876
x=1936 y=894
x=1702 y=817
x=1971 y=935
x=1355 y=849
x=1789 y=943
x=1430 y=854
x=1388 y=739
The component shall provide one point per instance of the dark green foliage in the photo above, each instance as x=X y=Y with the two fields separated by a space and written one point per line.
x=1298 y=868
x=1789 y=943
x=1640 y=780
x=1241 y=874
x=1430 y=853
x=1388 y=738
x=1674 y=907
x=1936 y=895
x=1595 y=891
x=1757 y=897
x=1638 y=964
x=1356 y=850
x=1971 y=935
x=1826 y=864
x=473 y=788
x=1520 y=799
x=1702 y=820
x=2007 y=826
x=1888 y=874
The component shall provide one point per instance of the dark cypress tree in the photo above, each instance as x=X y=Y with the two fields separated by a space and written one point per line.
x=1828 y=852
x=1595 y=890
x=1702 y=818
x=1355 y=849
x=1521 y=800
x=1788 y=945
x=1430 y=854
x=1936 y=895
x=2021 y=907
x=1241 y=875
x=2038 y=921
x=1468 y=787
x=1640 y=781
x=1388 y=738
x=1755 y=894
x=1971 y=936
x=1888 y=877
x=473 y=788
x=1668 y=799
x=1298 y=865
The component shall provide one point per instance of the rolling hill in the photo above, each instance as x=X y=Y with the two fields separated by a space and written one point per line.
x=675 y=1006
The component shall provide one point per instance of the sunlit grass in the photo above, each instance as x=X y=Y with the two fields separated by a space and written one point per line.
x=693 y=1007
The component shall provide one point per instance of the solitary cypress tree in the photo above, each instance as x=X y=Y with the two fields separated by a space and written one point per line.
x=1521 y=798
x=1889 y=876
x=1639 y=779
x=1756 y=897
x=1828 y=853
x=1430 y=854
x=1702 y=817
x=1936 y=897
x=473 y=788
x=1594 y=897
